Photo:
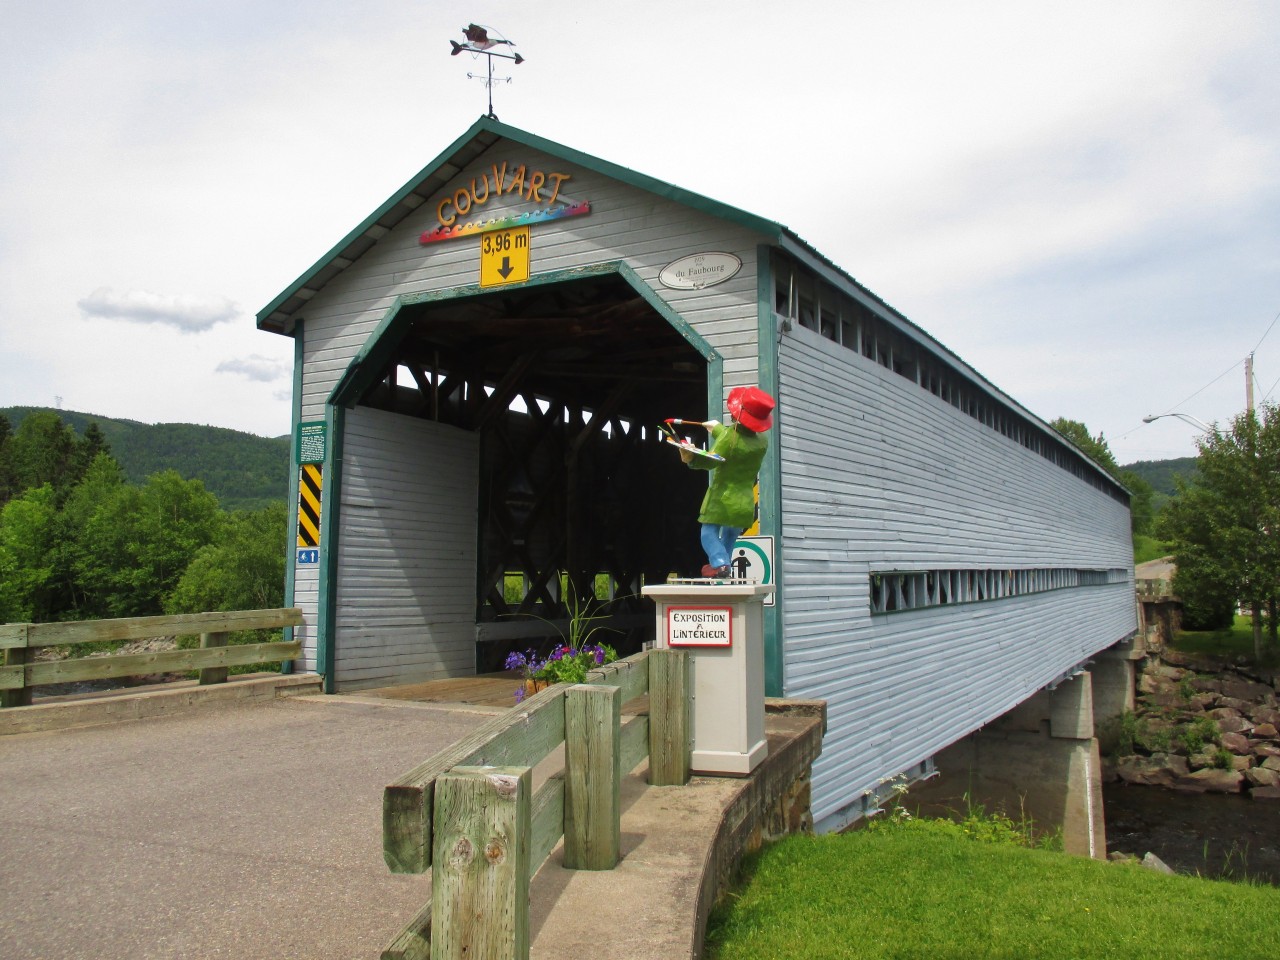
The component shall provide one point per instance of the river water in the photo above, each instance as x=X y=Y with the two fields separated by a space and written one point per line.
x=1213 y=835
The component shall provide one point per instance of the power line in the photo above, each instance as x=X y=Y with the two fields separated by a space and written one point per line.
x=1269 y=329
x=1234 y=364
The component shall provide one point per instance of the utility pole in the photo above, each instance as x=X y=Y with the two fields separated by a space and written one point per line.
x=1248 y=383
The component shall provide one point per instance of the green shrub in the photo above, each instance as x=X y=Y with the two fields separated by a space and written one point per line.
x=1117 y=735
x=1198 y=734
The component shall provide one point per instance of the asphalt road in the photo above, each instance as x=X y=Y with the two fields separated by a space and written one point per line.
x=237 y=831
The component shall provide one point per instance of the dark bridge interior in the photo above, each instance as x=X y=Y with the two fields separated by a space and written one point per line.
x=565 y=384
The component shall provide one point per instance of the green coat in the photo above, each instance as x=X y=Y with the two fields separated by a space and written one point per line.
x=730 y=499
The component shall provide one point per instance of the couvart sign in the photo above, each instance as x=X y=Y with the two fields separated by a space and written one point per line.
x=460 y=213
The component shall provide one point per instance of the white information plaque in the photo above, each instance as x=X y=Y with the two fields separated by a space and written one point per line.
x=699 y=626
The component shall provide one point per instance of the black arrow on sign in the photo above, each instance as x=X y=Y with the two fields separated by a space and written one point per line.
x=505 y=269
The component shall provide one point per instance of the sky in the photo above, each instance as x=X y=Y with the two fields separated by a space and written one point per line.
x=1081 y=200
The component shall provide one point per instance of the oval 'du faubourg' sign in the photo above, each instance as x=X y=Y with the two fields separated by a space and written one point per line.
x=699 y=270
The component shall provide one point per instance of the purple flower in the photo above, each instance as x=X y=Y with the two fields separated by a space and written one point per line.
x=516 y=660
x=519 y=693
x=599 y=655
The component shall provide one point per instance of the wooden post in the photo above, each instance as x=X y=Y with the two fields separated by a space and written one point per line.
x=212 y=674
x=480 y=864
x=592 y=768
x=17 y=657
x=670 y=733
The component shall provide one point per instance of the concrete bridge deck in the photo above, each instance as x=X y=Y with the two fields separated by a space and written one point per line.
x=252 y=830
x=238 y=830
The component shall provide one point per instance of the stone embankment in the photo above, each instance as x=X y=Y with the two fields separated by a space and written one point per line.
x=1199 y=726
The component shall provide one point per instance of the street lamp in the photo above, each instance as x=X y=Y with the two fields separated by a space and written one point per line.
x=1181 y=416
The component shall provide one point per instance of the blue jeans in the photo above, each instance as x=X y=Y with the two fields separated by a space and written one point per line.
x=718 y=542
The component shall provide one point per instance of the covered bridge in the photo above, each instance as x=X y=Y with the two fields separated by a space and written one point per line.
x=480 y=366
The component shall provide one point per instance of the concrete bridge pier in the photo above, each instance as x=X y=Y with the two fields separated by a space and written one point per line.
x=1038 y=760
x=1114 y=672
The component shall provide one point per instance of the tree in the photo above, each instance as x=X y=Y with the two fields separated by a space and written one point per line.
x=8 y=480
x=45 y=449
x=1226 y=523
x=101 y=482
x=243 y=570
x=1095 y=448
x=138 y=541
x=27 y=528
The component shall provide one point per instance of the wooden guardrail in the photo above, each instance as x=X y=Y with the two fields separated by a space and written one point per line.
x=20 y=672
x=469 y=814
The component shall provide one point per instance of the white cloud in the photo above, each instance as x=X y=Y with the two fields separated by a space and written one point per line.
x=188 y=314
x=256 y=367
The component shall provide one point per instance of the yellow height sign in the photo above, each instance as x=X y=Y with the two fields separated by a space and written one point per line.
x=310 y=477
x=504 y=257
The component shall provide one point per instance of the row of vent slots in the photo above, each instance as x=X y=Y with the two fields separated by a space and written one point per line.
x=802 y=298
x=933 y=588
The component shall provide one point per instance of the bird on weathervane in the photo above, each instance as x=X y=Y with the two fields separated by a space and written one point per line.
x=482 y=41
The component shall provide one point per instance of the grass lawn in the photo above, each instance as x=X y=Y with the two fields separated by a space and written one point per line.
x=914 y=891
x=1236 y=641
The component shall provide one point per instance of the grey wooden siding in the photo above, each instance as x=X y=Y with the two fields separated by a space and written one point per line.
x=879 y=474
x=407 y=551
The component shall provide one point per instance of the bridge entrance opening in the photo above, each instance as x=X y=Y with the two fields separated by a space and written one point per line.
x=563 y=385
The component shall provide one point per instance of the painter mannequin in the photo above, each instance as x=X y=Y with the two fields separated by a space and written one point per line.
x=729 y=506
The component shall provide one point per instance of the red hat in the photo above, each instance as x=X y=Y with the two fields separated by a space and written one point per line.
x=752 y=407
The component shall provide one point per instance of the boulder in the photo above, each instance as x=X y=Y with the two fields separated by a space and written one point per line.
x=1225 y=713
x=1271 y=763
x=1152 y=862
x=1160 y=769
x=1209 y=781
x=1266 y=731
x=1164 y=671
x=1237 y=743
x=1265 y=715
x=1234 y=725
x=1264 y=750
x=1265 y=793
x=1241 y=763
x=1206 y=685
x=1262 y=777
x=1198 y=761
x=1242 y=689
x=1147 y=684
x=1240 y=706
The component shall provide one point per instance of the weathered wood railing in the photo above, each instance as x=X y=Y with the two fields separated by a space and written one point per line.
x=469 y=814
x=20 y=672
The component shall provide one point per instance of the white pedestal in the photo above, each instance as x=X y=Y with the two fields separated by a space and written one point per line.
x=721 y=626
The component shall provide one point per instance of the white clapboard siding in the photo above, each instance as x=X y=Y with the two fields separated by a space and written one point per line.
x=625 y=224
x=878 y=475
x=406 y=551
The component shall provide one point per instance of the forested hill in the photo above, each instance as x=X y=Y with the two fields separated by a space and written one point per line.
x=244 y=471
x=1160 y=473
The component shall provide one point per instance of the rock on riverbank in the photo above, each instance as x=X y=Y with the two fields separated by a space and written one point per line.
x=1200 y=726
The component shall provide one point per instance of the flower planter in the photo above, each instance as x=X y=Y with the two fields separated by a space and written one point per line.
x=533 y=686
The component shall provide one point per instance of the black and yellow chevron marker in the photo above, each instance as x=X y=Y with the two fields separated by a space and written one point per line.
x=310 y=477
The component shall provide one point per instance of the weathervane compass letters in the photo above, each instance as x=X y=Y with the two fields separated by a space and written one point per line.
x=482 y=40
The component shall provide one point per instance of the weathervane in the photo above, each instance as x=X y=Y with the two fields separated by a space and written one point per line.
x=482 y=40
